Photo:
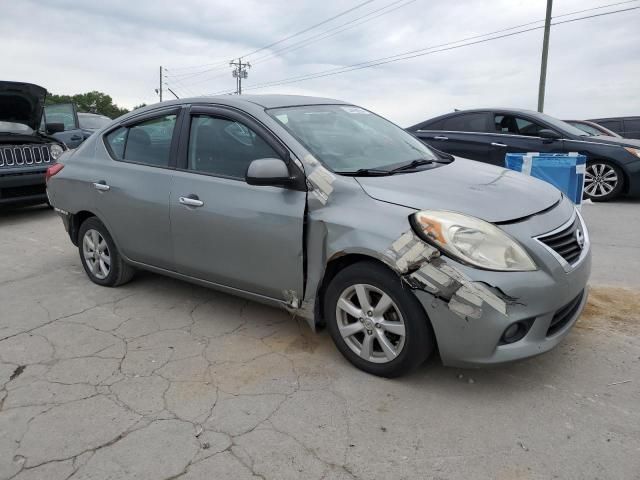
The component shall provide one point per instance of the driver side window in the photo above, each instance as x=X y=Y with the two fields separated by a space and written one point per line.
x=225 y=148
x=510 y=124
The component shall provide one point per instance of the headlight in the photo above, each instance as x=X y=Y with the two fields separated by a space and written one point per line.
x=633 y=151
x=471 y=240
x=56 y=150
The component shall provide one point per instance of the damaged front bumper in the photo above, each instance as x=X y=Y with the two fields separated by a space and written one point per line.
x=539 y=301
x=471 y=310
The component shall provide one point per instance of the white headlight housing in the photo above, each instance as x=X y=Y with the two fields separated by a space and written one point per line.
x=56 y=150
x=472 y=241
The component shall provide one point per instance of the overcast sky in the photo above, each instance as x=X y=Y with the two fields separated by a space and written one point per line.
x=116 y=46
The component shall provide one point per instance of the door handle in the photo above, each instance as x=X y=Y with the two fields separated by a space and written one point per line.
x=191 y=201
x=440 y=137
x=101 y=186
x=496 y=144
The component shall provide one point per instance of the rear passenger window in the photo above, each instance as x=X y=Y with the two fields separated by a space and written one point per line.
x=147 y=142
x=222 y=147
x=467 y=122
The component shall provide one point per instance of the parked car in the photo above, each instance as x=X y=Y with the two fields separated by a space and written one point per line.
x=592 y=128
x=627 y=127
x=66 y=115
x=91 y=122
x=487 y=135
x=336 y=214
x=25 y=151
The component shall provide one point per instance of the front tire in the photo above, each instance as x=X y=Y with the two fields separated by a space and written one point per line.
x=603 y=181
x=376 y=322
x=99 y=256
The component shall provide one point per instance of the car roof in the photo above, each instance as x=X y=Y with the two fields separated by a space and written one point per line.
x=265 y=101
x=631 y=117
x=510 y=110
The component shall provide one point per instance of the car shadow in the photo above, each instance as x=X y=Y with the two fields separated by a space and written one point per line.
x=20 y=213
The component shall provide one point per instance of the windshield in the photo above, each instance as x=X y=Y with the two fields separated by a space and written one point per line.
x=346 y=138
x=11 y=127
x=562 y=125
x=587 y=128
x=93 y=122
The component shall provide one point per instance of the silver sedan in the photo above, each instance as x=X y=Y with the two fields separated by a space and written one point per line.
x=339 y=216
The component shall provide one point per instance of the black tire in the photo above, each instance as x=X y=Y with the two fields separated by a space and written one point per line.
x=119 y=271
x=593 y=165
x=419 y=339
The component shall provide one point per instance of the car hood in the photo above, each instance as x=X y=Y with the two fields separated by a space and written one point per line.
x=22 y=103
x=623 y=142
x=484 y=191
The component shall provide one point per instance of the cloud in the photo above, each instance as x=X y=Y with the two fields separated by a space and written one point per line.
x=72 y=46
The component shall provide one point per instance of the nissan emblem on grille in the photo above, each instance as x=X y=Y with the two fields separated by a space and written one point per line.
x=580 y=238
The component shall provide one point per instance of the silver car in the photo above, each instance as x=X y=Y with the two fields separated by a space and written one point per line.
x=337 y=215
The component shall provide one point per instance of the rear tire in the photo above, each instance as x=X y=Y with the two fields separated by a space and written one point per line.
x=603 y=181
x=376 y=322
x=100 y=257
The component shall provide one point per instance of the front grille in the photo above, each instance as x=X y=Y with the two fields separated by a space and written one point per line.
x=568 y=243
x=564 y=315
x=12 y=156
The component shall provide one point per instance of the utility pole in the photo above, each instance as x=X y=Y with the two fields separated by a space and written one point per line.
x=545 y=54
x=239 y=72
x=160 y=89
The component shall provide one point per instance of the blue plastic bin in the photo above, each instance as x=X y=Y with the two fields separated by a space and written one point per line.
x=565 y=171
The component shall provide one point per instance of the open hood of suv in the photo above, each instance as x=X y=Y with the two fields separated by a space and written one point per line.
x=22 y=103
x=484 y=191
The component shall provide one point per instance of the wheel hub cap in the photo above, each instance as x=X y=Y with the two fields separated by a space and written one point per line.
x=370 y=323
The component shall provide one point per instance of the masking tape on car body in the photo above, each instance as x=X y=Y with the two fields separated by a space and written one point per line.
x=432 y=274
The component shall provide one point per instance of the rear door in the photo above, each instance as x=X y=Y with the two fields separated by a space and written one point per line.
x=224 y=230
x=131 y=191
x=518 y=134
x=462 y=134
x=66 y=114
x=632 y=128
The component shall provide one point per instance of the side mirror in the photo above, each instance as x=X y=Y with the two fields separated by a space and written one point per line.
x=54 y=128
x=549 y=135
x=268 y=172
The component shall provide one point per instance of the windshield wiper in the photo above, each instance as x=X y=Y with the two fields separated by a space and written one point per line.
x=411 y=165
x=364 y=172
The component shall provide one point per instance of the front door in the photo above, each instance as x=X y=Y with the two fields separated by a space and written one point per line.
x=226 y=231
x=514 y=134
x=65 y=113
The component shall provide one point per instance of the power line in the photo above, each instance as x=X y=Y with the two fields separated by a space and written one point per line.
x=341 y=14
x=301 y=32
x=332 y=31
x=421 y=52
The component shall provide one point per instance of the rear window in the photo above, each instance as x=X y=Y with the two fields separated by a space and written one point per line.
x=615 y=125
x=467 y=122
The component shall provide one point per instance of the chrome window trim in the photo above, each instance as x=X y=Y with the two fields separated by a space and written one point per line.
x=585 y=250
x=517 y=136
x=1 y=158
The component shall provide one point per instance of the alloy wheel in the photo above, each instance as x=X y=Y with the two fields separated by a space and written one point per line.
x=600 y=180
x=96 y=254
x=370 y=323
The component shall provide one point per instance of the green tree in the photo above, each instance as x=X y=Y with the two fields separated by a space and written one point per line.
x=90 y=102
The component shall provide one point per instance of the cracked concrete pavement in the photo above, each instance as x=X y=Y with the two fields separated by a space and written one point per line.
x=160 y=379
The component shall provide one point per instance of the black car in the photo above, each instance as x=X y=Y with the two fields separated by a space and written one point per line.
x=627 y=127
x=487 y=135
x=25 y=151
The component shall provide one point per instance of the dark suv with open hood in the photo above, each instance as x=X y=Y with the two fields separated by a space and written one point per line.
x=25 y=150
